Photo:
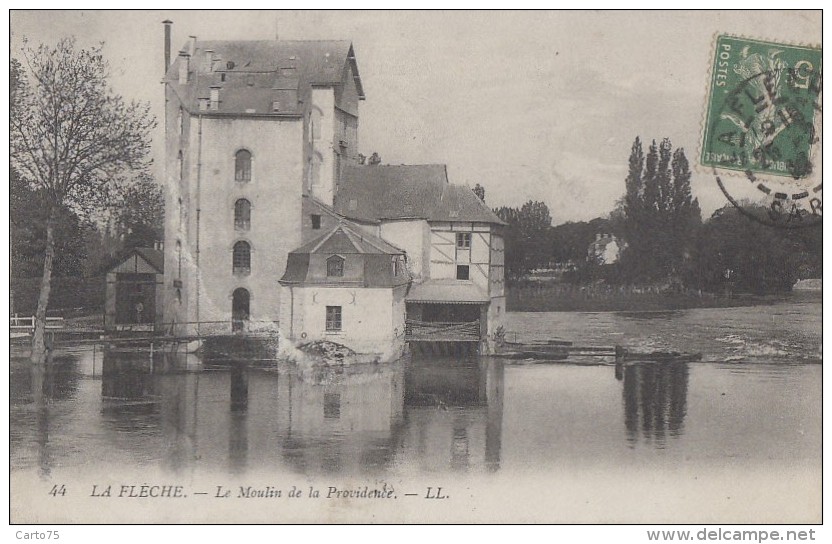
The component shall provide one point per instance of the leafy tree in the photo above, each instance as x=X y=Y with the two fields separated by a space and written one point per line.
x=479 y=190
x=660 y=216
x=141 y=213
x=527 y=237
x=28 y=234
x=735 y=253
x=72 y=139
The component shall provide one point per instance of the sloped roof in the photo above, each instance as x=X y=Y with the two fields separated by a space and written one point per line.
x=344 y=239
x=447 y=291
x=257 y=72
x=153 y=257
x=372 y=193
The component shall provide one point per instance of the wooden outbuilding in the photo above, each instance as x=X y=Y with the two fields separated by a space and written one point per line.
x=133 y=299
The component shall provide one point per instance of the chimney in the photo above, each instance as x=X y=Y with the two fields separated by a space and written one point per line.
x=184 y=67
x=167 y=23
x=215 y=97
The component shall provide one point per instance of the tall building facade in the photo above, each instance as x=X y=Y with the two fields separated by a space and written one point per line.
x=251 y=128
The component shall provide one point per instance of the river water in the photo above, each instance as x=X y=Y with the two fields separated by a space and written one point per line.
x=646 y=442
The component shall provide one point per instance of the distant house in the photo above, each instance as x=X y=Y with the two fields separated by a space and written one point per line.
x=605 y=249
x=134 y=291
x=348 y=287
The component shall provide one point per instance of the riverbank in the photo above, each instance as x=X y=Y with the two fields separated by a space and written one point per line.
x=569 y=298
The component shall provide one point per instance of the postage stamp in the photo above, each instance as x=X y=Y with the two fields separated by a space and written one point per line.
x=762 y=107
x=763 y=120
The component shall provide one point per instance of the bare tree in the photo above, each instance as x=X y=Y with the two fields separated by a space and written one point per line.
x=72 y=139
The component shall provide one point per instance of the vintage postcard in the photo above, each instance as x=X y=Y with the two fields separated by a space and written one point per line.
x=415 y=267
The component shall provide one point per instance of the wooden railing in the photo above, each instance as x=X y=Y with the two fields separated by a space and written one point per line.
x=27 y=324
x=439 y=331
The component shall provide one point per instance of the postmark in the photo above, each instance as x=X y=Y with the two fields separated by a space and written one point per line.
x=763 y=126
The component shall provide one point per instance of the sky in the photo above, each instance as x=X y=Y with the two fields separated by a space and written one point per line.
x=540 y=105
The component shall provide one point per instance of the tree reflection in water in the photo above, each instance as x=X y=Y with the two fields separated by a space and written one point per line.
x=655 y=400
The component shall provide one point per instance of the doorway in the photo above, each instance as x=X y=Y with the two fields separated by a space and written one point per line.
x=239 y=309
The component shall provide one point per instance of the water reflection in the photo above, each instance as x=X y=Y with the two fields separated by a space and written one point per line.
x=655 y=400
x=341 y=418
x=440 y=414
x=454 y=412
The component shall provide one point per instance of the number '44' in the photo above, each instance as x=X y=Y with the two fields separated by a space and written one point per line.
x=58 y=490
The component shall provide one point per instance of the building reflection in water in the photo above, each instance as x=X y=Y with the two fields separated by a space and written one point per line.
x=654 y=399
x=454 y=412
x=432 y=415
x=129 y=402
x=341 y=419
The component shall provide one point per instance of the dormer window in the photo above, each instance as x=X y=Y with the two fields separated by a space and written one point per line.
x=335 y=267
x=242 y=165
x=215 y=99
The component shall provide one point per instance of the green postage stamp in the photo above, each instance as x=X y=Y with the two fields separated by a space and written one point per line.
x=764 y=111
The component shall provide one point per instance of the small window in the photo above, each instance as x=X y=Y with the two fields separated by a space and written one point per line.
x=353 y=204
x=241 y=259
x=222 y=77
x=180 y=164
x=181 y=121
x=333 y=318
x=462 y=272
x=242 y=214
x=335 y=267
x=316 y=221
x=179 y=258
x=463 y=240
x=179 y=296
x=215 y=99
x=242 y=165
x=250 y=80
x=395 y=266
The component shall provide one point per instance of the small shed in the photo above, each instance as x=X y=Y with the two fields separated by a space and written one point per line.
x=133 y=297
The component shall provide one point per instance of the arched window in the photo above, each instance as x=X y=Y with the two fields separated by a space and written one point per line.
x=242 y=258
x=335 y=267
x=240 y=311
x=242 y=214
x=242 y=165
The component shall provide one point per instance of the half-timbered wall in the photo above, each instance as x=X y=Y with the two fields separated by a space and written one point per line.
x=446 y=255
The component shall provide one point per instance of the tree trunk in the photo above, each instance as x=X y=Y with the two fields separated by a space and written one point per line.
x=39 y=336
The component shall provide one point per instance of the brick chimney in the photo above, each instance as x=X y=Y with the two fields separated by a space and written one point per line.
x=167 y=23
x=184 y=67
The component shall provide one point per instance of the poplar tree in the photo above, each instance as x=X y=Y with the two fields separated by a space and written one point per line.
x=660 y=213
